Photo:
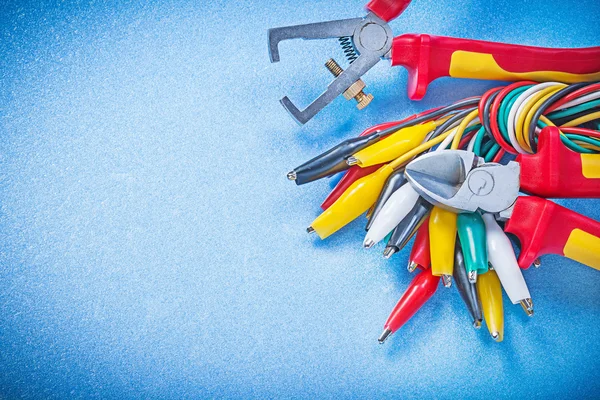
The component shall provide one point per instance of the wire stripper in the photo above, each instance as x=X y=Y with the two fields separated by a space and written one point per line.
x=369 y=39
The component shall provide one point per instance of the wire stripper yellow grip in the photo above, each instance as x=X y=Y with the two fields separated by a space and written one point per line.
x=490 y=293
x=442 y=237
x=393 y=146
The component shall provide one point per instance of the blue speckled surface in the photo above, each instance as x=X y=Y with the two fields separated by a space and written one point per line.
x=152 y=247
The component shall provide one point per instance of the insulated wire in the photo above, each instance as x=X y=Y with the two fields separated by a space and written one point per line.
x=590 y=88
x=399 y=162
x=497 y=122
x=525 y=119
x=581 y=100
x=461 y=128
x=566 y=112
x=541 y=109
x=517 y=107
x=433 y=115
x=581 y=120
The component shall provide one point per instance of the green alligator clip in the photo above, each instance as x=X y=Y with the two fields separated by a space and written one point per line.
x=471 y=231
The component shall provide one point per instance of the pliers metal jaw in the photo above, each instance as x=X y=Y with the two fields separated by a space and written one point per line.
x=460 y=181
x=371 y=37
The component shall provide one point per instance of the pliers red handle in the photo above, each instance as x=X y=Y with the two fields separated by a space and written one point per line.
x=544 y=227
x=388 y=10
x=429 y=57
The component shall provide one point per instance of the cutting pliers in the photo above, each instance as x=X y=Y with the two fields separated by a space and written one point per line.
x=460 y=181
x=369 y=39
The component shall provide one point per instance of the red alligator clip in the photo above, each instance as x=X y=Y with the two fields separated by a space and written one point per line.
x=419 y=291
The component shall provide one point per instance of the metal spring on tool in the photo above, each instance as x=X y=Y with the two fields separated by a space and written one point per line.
x=348 y=48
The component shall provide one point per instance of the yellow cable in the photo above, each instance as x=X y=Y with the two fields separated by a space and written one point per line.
x=545 y=120
x=582 y=120
x=461 y=128
x=545 y=94
x=363 y=193
x=398 y=162
x=587 y=145
x=524 y=142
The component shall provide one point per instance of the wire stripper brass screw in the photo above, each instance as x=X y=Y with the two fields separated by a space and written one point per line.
x=355 y=90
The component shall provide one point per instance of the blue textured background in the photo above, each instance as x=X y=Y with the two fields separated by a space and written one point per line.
x=150 y=245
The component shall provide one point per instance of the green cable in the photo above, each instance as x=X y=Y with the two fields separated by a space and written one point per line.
x=472 y=128
x=510 y=99
x=478 y=139
x=566 y=141
x=487 y=146
x=574 y=146
x=503 y=112
x=573 y=110
x=584 y=139
x=504 y=109
x=492 y=152
x=468 y=130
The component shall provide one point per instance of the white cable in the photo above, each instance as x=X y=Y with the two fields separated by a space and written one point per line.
x=581 y=100
x=517 y=108
x=446 y=142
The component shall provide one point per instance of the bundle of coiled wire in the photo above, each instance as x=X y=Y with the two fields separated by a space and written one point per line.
x=505 y=121
x=515 y=115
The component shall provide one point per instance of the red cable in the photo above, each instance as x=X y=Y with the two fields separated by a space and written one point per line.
x=581 y=131
x=465 y=140
x=353 y=174
x=420 y=252
x=499 y=156
x=484 y=99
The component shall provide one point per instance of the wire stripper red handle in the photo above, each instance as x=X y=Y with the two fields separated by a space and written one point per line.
x=430 y=57
x=387 y=10
x=544 y=227
x=557 y=171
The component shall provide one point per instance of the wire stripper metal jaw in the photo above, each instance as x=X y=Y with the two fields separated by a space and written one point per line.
x=371 y=37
